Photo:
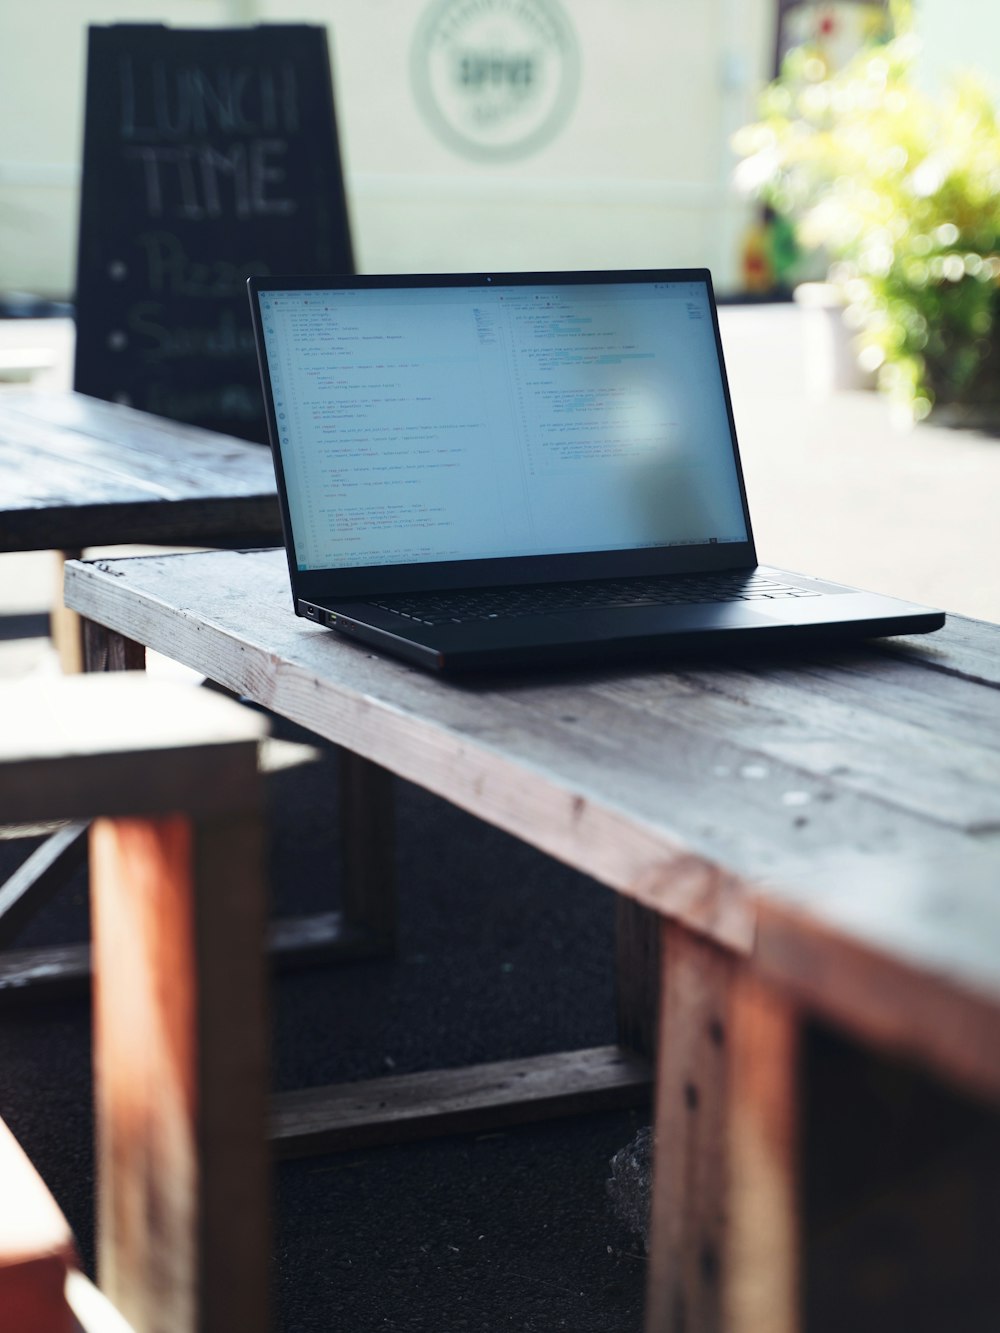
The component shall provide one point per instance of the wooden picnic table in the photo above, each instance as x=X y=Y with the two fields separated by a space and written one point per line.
x=814 y=836
x=77 y=472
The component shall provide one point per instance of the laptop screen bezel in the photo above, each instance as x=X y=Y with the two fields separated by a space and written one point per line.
x=364 y=581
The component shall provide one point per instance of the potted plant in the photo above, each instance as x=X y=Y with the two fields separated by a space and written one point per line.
x=900 y=190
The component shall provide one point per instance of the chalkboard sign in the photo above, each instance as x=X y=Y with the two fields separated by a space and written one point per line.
x=208 y=155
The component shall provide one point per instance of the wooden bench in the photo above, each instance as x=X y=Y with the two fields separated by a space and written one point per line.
x=37 y=1251
x=169 y=776
x=42 y=1287
x=806 y=837
x=77 y=472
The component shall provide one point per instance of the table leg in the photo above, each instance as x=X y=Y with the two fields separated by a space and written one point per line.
x=762 y=1285
x=104 y=650
x=367 y=830
x=687 y=1224
x=724 y=1224
x=367 y=819
x=65 y=625
x=637 y=975
x=181 y=1070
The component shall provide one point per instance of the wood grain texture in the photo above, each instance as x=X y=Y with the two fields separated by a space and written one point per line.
x=457 y=1101
x=180 y=1071
x=887 y=997
x=76 y=472
x=65 y=626
x=105 y=651
x=853 y=792
x=476 y=746
x=27 y=975
x=180 y=1019
x=122 y=744
x=36 y=1248
x=968 y=650
x=763 y=1179
x=145 y=1066
x=688 y=1238
x=637 y=976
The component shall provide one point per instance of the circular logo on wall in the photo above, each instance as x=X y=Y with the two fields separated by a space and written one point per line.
x=496 y=79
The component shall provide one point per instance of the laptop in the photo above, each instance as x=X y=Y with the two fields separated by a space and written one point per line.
x=495 y=470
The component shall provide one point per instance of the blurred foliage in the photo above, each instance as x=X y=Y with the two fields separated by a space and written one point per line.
x=901 y=191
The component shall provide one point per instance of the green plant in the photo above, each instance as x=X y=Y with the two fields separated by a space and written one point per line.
x=901 y=191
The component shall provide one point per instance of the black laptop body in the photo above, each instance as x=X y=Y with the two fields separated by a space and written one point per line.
x=493 y=470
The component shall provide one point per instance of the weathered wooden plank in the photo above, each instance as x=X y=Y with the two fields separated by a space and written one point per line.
x=134 y=449
x=965 y=648
x=702 y=793
x=457 y=1101
x=637 y=976
x=763 y=1181
x=40 y=828
x=888 y=995
x=423 y=724
x=66 y=627
x=74 y=473
x=35 y=478
x=57 y=972
x=908 y=689
x=36 y=1248
x=38 y=877
x=44 y=465
x=687 y=1248
x=180 y=1071
x=92 y=1310
x=695 y=824
x=83 y=745
x=103 y=650
x=925 y=743
x=109 y=523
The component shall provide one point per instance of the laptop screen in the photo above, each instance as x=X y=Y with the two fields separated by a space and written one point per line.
x=422 y=423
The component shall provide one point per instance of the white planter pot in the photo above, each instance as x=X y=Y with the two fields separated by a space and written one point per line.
x=829 y=360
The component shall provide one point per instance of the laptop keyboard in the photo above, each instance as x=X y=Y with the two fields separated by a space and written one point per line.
x=442 y=608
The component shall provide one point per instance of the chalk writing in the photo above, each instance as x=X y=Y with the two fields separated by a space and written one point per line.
x=199 y=182
x=209 y=155
x=178 y=102
x=171 y=270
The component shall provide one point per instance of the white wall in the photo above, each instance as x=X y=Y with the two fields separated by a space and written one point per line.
x=42 y=58
x=956 y=37
x=637 y=174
